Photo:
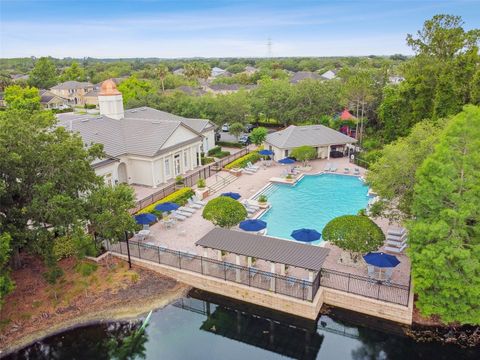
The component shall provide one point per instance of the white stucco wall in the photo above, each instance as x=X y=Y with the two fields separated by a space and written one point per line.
x=181 y=134
x=108 y=171
x=140 y=171
x=208 y=140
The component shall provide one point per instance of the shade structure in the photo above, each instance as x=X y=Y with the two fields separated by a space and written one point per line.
x=233 y=195
x=167 y=206
x=266 y=152
x=306 y=235
x=253 y=225
x=381 y=260
x=145 y=219
x=286 y=161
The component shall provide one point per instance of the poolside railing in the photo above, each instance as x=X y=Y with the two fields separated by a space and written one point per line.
x=249 y=276
x=253 y=277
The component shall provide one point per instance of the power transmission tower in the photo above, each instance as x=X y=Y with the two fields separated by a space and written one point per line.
x=269 y=47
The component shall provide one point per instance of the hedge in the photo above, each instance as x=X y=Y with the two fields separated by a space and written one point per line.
x=207 y=160
x=242 y=162
x=179 y=197
x=230 y=144
x=214 y=150
x=222 y=154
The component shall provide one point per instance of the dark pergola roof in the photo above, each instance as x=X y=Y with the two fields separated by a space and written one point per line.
x=286 y=252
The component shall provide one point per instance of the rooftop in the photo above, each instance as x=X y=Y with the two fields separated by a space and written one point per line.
x=312 y=135
x=266 y=248
x=303 y=75
x=72 y=85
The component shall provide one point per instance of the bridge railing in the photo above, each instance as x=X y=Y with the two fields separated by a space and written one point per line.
x=249 y=276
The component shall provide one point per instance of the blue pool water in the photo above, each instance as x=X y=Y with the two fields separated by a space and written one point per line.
x=312 y=203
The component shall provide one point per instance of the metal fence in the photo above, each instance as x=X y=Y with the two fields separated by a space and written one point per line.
x=360 y=285
x=189 y=180
x=279 y=284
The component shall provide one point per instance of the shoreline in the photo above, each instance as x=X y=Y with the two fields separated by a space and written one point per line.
x=121 y=312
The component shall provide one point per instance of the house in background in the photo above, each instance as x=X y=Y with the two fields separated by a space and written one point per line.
x=250 y=70
x=143 y=146
x=322 y=138
x=180 y=71
x=216 y=72
x=74 y=91
x=49 y=100
x=303 y=75
x=348 y=123
x=329 y=75
x=223 y=89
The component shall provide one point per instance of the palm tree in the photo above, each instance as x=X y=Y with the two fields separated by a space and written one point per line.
x=162 y=72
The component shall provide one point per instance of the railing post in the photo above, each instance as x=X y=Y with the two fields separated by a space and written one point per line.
x=249 y=276
x=158 y=248
x=224 y=271
x=179 y=260
x=121 y=251
x=348 y=284
x=303 y=290
x=378 y=292
x=138 y=245
x=201 y=265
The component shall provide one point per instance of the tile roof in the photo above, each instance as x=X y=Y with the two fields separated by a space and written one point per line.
x=72 y=85
x=313 y=135
x=280 y=251
x=303 y=75
x=143 y=131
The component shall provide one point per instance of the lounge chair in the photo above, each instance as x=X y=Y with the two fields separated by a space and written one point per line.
x=327 y=167
x=252 y=169
x=186 y=209
x=397 y=243
x=249 y=209
x=356 y=171
x=178 y=216
x=395 y=250
x=196 y=200
x=250 y=165
x=396 y=231
x=346 y=170
x=184 y=213
x=248 y=171
x=193 y=204
x=250 y=205
x=333 y=168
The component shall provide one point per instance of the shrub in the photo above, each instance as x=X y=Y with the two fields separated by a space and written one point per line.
x=304 y=153
x=90 y=106
x=224 y=212
x=207 y=160
x=222 y=154
x=262 y=198
x=179 y=180
x=258 y=135
x=242 y=162
x=229 y=144
x=86 y=268
x=179 y=197
x=214 y=150
x=356 y=234
x=201 y=183
x=63 y=247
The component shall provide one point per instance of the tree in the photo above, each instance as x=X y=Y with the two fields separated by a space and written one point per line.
x=236 y=129
x=19 y=98
x=44 y=74
x=74 y=72
x=392 y=177
x=6 y=284
x=272 y=99
x=108 y=211
x=444 y=237
x=304 y=153
x=224 y=212
x=5 y=80
x=258 y=135
x=197 y=70
x=356 y=234
x=135 y=89
x=162 y=72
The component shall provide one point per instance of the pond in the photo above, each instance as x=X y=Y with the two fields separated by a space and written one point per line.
x=203 y=326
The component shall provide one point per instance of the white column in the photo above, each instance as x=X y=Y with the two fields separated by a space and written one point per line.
x=237 y=271
x=310 y=278
x=272 y=280
x=219 y=255
x=282 y=269
x=328 y=152
x=199 y=156
x=249 y=261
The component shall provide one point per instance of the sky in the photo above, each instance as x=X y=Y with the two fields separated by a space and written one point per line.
x=197 y=28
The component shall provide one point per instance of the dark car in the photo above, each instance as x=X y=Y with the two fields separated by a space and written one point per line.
x=218 y=136
x=250 y=127
x=244 y=140
x=336 y=154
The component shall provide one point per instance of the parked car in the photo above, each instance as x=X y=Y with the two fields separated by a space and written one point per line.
x=250 y=127
x=244 y=140
x=218 y=136
x=225 y=127
x=336 y=154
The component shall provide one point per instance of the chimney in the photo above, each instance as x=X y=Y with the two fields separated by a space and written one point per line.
x=110 y=100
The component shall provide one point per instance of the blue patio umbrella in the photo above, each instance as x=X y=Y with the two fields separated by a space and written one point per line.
x=233 y=195
x=253 y=225
x=306 y=235
x=286 y=161
x=381 y=260
x=266 y=152
x=145 y=219
x=166 y=206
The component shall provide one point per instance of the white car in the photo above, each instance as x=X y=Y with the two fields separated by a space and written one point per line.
x=225 y=127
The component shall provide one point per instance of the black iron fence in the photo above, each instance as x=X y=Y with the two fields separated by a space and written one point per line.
x=249 y=276
x=360 y=285
x=189 y=180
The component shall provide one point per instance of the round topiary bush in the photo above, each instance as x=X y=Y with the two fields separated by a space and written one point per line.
x=356 y=234
x=224 y=212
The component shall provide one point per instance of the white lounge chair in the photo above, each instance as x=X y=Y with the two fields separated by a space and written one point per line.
x=250 y=165
x=396 y=243
x=249 y=209
x=250 y=205
x=333 y=168
x=193 y=204
x=178 y=216
x=252 y=169
x=184 y=213
x=346 y=170
x=396 y=231
x=248 y=171
x=395 y=250
x=327 y=167
x=196 y=200
x=356 y=171
x=186 y=209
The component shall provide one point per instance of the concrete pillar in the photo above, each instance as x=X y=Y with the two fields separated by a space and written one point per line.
x=205 y=264
x=282 y=269
x=219 y=255
x=310 y=278
x=154 y=183
x=328 y=152
x=272 y=280
x=249 y=261
x=199 y=156
x=237 y=271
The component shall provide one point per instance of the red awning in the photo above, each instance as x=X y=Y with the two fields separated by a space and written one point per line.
x=345 y=115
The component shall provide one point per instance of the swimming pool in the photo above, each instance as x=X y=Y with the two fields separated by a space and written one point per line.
x=312 y=203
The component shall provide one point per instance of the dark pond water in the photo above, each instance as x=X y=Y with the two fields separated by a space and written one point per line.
x=201 y=326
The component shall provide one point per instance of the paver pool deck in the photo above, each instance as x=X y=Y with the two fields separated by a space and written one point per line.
x=185 y=233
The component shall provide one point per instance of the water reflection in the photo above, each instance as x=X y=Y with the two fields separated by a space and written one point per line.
x=204 y=326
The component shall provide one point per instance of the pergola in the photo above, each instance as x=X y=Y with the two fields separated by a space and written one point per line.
x=273 y=250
